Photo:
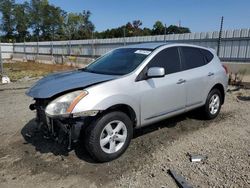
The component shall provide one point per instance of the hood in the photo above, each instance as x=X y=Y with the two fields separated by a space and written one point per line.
x=65 y=81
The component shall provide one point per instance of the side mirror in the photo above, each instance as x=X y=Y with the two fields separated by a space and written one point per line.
x=155 y=72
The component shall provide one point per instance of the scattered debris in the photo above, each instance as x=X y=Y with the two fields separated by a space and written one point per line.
x=46 y=137
x=246 y=85
x=5 y=79
x=196 y=158
x=243 y=98
x=236 y=78
x=180 y=181
x=237 y=88
x=62 y=159
x=28 y=135
x=152 y=175
x=14 y=178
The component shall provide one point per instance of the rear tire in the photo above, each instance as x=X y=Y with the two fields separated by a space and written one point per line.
x=213 y=104
x=109 y=136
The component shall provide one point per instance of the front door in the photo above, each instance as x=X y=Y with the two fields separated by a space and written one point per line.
x=165 y=96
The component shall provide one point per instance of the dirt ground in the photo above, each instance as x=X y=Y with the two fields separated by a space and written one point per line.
x=37 y=162
x=25 y=70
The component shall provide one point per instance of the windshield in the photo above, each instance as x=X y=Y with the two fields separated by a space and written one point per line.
x=119 y=62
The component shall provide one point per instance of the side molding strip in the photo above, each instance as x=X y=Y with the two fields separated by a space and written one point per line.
x=165 y=113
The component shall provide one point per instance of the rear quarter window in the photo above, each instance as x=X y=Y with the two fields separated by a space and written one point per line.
x=192 y=58
x=208 y=55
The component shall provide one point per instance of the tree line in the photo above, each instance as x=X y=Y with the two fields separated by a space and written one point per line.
x=38 y=20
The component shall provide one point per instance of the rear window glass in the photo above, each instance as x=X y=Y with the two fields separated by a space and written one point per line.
x=208 y=55
x=192 y=58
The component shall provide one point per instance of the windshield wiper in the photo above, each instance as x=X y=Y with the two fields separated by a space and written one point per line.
x=86 y=70
x=95 y=72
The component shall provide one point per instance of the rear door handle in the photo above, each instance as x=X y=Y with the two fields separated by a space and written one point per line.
x=210 y=74
x=181 y=81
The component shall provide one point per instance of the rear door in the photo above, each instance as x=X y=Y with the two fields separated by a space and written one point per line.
x=162 y=97
x=196 y=75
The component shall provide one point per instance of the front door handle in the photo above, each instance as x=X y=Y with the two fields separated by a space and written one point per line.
x=210 y=74
x=181 y=81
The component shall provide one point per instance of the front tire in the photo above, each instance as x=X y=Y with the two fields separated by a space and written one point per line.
x=213 y=104
x=109 y=136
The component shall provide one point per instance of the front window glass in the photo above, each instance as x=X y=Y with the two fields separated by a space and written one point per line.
x=168 y=59
x=119 y=62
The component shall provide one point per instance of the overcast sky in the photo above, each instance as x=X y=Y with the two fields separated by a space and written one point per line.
x=198 y=15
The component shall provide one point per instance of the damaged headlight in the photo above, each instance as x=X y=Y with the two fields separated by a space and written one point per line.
x=64 y=105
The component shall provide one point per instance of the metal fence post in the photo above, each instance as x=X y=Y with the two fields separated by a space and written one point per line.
x=24 y=50
x=69 y=47
x=92 y=44
x=238 y=52
x=248 y=44
x=220 y=33
x=124 y=36
x=14 y=51
x=231 y=49
x=37 y=48
x=165 y=32
x=1 y=61
x=52 y=48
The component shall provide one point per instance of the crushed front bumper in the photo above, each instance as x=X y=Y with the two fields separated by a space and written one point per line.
x=63 y=130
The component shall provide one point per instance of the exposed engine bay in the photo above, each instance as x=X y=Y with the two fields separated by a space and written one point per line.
x=62 y=130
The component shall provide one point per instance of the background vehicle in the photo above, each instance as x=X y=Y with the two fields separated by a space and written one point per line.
x=128 y=88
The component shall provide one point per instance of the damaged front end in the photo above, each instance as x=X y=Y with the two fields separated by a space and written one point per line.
x=61 y=129
x=56 y=97
x=56 y=119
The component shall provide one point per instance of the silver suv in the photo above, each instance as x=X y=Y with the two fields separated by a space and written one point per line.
x=127 y=88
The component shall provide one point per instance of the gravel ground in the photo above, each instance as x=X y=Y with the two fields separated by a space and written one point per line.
x=37 y=162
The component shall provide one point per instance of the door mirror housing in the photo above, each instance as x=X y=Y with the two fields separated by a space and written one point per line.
x=155 y=72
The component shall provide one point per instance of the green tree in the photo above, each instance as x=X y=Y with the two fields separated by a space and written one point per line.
x=22 y=23
x=86 y=27
x=36 y=16
x=137 y=24
x=136 y=27
x=72 y=25
x=46 y=20
x=52 y=22
x=78 y=25
x=129 y=29
x=40 y=20
x=146 y=31
x=7 y=22
x=158 y=28
x=173 y=29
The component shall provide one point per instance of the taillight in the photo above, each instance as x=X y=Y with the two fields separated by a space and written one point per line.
x=226 y=70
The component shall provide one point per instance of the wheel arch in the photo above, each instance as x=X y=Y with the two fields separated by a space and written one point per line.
x=125 y=109
x=220 y=87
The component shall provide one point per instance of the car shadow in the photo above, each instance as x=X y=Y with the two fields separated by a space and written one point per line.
x=168 y=123
x=34 y=136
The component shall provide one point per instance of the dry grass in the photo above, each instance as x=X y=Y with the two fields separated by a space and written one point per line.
x=18 y=70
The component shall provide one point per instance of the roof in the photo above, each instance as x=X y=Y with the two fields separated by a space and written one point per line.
x=147 y=45
x=154 y=45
